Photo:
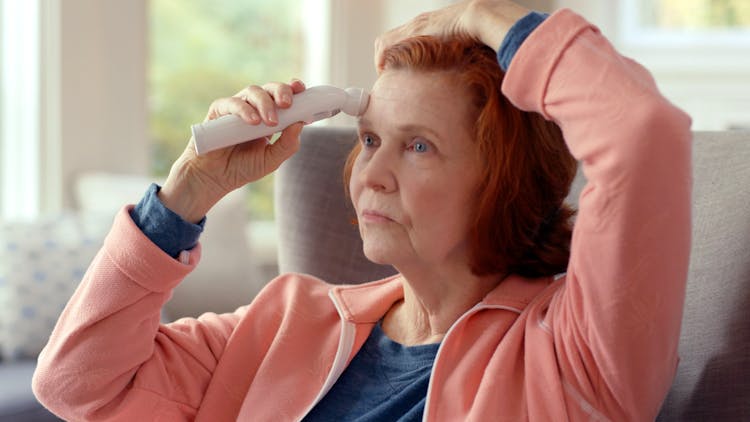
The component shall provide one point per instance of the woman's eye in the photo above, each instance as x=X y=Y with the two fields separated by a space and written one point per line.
x=419 y=146
x=368 y=140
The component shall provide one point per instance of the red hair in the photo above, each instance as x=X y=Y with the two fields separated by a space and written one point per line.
x=521 y=224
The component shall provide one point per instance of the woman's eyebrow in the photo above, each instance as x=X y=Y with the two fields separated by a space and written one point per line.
x=418 y=128
x=361 y=121
x=406 y=128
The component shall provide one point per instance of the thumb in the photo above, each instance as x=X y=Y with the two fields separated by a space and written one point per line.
x=284 y=147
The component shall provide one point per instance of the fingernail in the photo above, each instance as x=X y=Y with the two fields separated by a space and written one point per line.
x=271 y=117
x=286 y=99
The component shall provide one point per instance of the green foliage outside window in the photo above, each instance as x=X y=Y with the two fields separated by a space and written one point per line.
x=696 y=14
x=202 y=50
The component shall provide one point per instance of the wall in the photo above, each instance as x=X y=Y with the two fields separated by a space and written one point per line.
x=99 y=117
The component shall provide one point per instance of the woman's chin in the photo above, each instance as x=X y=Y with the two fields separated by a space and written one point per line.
x=386 y=248
x=378 y=254
x=377 y=257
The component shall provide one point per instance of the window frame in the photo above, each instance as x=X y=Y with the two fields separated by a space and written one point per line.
x=707 y=79
x=632 y=32
x=20 y=109
x=719 y=51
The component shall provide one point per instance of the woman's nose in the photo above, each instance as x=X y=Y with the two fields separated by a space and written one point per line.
x=378 y=172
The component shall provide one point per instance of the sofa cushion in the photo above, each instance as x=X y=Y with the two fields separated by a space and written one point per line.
x=41 y=263
x=17 y=401
x=713 y=377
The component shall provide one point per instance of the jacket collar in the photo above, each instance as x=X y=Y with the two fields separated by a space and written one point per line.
x=367 y=303
x=516 y=291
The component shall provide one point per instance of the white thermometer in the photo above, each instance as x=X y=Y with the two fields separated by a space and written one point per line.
x=313 y=104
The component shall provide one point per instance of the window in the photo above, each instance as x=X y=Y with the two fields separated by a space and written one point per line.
x=698 y=51
x=19 y=109
x=723 y=22
x=200 y=51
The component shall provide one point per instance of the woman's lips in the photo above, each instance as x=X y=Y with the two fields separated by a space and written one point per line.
x=372 y=216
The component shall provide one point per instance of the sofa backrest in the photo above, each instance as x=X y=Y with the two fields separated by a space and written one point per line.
x=713 y=378
x=316 y=235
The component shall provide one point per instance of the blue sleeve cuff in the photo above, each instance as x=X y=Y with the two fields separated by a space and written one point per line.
x=163 y=226
x=517 y=35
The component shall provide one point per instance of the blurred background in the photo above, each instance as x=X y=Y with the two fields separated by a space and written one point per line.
x=91 y=86
x=97 y=98
x=113 y=86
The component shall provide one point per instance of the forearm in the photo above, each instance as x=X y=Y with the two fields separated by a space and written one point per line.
x=624 y=291
x=490 y=21
x=108 y=346
x=186 y=192
x=108 y=327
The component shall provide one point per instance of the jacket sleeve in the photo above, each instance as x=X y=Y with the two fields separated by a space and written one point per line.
x=616 y=320
x=109 y=358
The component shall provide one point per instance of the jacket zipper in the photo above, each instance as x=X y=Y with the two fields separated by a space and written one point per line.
x=346 y=343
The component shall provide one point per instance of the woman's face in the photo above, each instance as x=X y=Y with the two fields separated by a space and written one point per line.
x=413 y=184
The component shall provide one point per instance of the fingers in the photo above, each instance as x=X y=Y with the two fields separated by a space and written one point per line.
x=423 y=24
x=281 y=94
x=234 y=105
x=256 y=104
x=387 y=39
x=284 y=147
x=486 y=21
x=448 y=21
x=297 y=86
x=265 y=99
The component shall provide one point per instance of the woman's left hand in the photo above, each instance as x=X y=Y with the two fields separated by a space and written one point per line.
x=485 y=20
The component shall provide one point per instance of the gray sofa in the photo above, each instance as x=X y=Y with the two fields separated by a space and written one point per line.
x=713 y=378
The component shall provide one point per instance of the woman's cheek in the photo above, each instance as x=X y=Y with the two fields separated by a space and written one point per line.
x=354 y=184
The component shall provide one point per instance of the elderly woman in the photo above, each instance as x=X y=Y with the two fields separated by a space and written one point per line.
x=458 y=182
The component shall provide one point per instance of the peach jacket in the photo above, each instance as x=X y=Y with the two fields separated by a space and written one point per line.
x=599 y=343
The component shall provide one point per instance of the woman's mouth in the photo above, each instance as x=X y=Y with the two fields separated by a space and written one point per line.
x=372 y=216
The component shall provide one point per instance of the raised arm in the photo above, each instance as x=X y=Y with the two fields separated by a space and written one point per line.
x=108 y=355
x=616 y=322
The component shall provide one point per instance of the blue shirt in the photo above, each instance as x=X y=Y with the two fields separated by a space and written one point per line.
x=385 y=381
x=164 y=227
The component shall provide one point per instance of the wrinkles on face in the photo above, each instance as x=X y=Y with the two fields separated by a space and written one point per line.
x=424 y=195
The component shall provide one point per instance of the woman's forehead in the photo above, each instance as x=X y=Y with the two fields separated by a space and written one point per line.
x=420 y=98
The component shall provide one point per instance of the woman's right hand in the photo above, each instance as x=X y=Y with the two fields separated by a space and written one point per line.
x=196 y=182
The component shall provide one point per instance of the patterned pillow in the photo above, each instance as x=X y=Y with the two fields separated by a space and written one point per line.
x=41 y=263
